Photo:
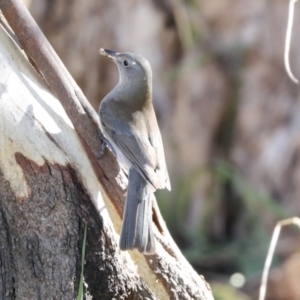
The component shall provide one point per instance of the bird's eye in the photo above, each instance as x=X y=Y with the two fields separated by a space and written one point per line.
x=125 y=63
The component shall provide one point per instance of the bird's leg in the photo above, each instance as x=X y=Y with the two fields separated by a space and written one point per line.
x=105 y=143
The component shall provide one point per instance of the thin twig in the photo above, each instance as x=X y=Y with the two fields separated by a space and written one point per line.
x=275 y=236
x=288 y=41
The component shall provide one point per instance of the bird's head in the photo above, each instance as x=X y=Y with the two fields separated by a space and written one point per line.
x=133 y=68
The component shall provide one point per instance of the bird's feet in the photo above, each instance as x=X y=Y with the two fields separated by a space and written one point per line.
x=105 y=143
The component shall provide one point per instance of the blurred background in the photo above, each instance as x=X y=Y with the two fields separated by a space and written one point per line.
x=229 y=117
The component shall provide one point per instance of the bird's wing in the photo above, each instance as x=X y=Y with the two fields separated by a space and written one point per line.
x=161 y=168
x=138 y=149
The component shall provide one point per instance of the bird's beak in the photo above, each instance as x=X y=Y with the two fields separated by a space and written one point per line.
x=109 y=53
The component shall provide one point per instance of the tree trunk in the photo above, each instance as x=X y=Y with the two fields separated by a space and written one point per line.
x=52 y=185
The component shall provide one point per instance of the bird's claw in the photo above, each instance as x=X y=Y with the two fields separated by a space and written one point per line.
x=105 y=143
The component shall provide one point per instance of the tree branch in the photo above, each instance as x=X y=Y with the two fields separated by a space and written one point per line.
x=77 y=107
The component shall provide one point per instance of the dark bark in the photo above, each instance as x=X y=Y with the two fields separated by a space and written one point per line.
x=40 y=235
x=41 y=241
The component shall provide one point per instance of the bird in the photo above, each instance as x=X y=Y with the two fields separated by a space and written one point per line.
x=129 y=125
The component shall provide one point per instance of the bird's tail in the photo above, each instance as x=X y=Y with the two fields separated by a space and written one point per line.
x=137 y=231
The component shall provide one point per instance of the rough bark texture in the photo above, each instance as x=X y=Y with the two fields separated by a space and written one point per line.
x=41 y=241
x=41 y=235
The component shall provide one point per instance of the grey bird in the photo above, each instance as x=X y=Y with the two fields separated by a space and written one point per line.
x=129 y=125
